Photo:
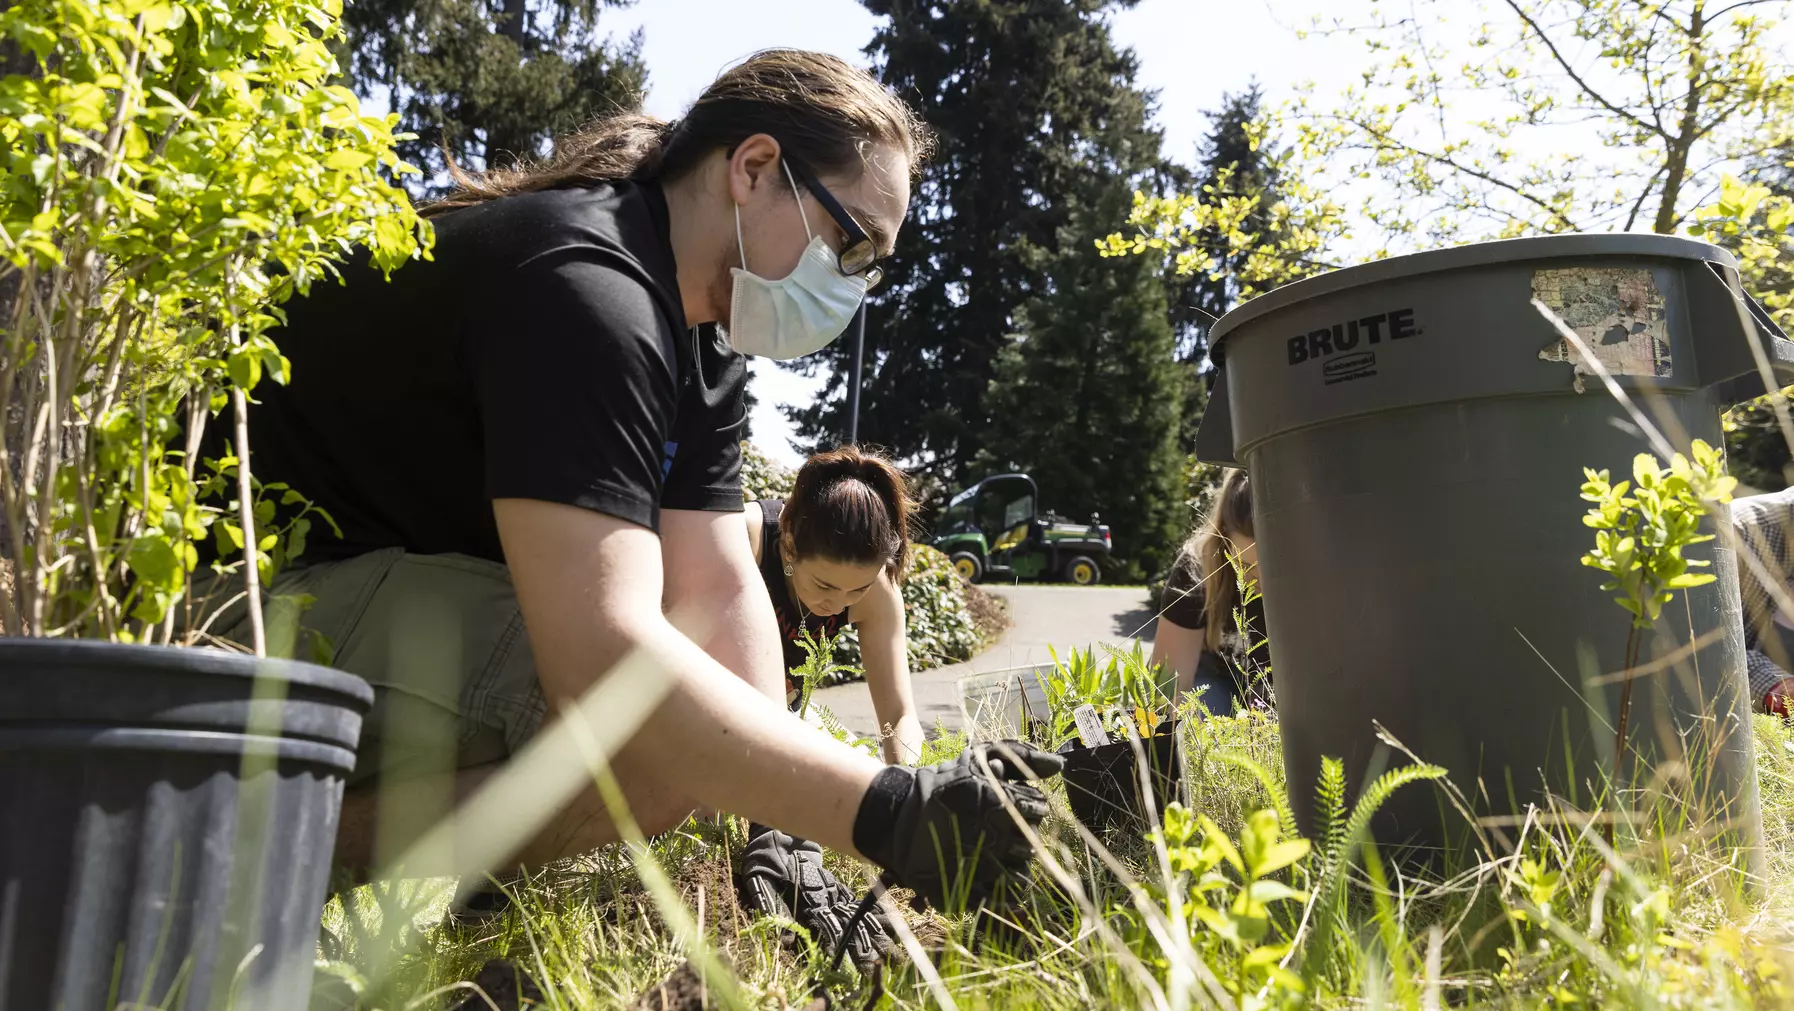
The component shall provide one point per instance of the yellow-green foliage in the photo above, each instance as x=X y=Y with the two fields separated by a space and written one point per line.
x=169 y=172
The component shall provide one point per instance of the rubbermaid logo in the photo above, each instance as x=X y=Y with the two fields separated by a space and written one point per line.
x=1317 y=344
x=1346 y=367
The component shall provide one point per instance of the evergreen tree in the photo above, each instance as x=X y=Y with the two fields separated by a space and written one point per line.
x=1031 y=99
x=1088 y=396
x=1233 y=162
x=489 y=80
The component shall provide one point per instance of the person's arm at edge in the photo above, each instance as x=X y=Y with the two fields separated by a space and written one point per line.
x=590 y=588
x=1763 y=676
x=884 y=652
x=714 y=594
x=1179 y=649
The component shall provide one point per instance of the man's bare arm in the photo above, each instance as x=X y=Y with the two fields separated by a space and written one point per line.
x=590 y=588
x=714 y=594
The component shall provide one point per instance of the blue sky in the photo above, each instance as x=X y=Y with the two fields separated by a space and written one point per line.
x=1191 y=51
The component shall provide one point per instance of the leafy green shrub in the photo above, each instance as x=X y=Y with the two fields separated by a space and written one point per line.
x=941 y=629
x=169 y=173
x=762 y=477
x=1640 y=532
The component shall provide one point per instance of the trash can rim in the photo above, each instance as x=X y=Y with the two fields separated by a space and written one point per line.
x=1475 y=254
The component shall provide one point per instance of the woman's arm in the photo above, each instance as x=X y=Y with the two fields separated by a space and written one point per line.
x=714 y=594
x=1179 y=649
x=755 y=519
x=884 y=652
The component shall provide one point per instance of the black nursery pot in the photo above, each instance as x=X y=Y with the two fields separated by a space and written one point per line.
x=1103 y=783
x=169 y=819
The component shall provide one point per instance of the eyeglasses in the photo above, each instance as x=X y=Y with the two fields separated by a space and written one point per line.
x=859 y=254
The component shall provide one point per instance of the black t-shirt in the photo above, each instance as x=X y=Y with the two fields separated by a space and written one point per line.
x=1185 y=604
x=543 y=354
x=793 y=619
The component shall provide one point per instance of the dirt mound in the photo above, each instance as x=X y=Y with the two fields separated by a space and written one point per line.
x=502 y=985
x=684 y=990
x=989 y=612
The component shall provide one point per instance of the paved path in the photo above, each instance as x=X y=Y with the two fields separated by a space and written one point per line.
x=1042 y=616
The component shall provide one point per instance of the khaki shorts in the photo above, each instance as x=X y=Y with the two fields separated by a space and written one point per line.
x=439 y=637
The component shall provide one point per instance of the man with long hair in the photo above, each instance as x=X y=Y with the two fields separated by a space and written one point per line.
x=530 y=445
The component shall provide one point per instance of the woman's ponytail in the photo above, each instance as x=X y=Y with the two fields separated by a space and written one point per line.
x=850 y=506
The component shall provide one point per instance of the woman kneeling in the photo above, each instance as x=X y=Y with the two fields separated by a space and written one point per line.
x=833 y=555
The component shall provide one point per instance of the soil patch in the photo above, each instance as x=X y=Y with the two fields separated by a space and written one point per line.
x=684 y=990
x=990 y=613
x=505 y=986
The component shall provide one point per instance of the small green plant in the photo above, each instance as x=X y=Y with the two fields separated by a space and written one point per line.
x=1255 y=657
x=833 y=726
x=1340 y=835
x=819 y=668
x=1641 y=529
x=944 y=746
x=1238 y=907
x=1123 y=681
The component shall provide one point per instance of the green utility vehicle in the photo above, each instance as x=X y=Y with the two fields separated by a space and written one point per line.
x=993 y=530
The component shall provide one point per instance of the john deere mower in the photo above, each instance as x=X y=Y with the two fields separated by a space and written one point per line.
x=994 y=531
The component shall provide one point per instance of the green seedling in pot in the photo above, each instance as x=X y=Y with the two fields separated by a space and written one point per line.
x=1124 y=689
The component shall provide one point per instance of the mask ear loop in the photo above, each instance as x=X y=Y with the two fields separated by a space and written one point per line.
x=741 y=247
x=799 y=197
x=738 y=245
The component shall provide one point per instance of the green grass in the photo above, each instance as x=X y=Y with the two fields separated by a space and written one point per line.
x=1654 y=920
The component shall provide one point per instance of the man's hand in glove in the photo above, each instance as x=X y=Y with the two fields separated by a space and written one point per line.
x=783 y=876
x=945 y=831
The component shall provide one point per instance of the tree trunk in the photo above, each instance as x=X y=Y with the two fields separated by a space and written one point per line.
x=514 y=22
x=1676 y=170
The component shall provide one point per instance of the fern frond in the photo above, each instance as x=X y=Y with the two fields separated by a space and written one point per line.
x=1374 y=797
x=1330 y=801
x=1279 y=796
x=1329 y=891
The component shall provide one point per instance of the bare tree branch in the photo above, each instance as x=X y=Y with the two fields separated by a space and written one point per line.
x=1716 y=15
x=1587 y=89
x=1455 y=166
x=1638 y=204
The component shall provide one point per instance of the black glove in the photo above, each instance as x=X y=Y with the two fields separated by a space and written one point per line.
x=944 y=831
x=782 y=875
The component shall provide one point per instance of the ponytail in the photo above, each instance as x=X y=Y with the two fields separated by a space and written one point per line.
x=850 y=506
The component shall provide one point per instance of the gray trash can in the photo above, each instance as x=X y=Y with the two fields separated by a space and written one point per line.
x=1415 y=435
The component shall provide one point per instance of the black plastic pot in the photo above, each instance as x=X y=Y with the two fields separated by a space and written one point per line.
x=1103 y=783
x=169 y=817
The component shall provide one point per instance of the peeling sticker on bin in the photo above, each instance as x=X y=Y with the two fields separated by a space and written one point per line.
x=1618 y=313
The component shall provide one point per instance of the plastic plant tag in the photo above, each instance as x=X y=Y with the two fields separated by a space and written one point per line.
x=1090 y=726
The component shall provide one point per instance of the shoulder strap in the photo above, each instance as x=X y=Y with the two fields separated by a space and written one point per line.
x=772 y=566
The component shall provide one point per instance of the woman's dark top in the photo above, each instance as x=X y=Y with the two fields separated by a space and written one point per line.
x=1242 y=668
x=793 y=619
x=542 y=354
